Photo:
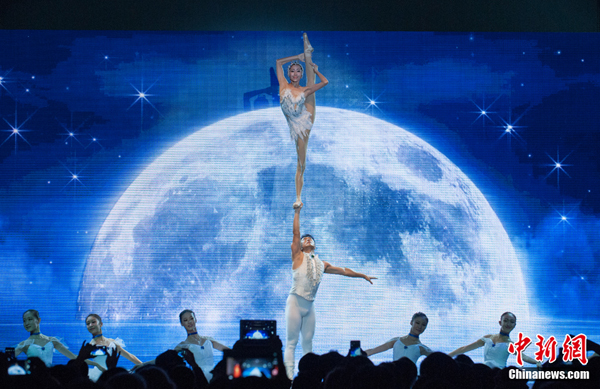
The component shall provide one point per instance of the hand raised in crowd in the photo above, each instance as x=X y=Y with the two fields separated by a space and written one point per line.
x=188 y=356
x=112 y=359
x=85 y=352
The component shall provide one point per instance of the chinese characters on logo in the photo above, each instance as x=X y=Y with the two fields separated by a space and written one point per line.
x=573 y=348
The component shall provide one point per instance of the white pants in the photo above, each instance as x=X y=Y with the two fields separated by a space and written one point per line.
x=300 y=318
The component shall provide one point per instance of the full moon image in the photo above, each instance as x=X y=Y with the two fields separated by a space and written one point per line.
x=208 y=226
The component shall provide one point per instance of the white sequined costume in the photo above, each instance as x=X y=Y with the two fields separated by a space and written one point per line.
x=299 y=309
x=412 y=352
x=203 y=354
x=298 y=118
x=495 y=354
x=44 y=352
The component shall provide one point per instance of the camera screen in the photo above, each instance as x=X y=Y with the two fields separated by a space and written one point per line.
x=240 y=367
x=257 y=329
x=18 y=368
x=257 y=334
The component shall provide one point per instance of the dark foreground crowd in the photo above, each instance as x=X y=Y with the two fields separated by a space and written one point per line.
x=331 y=370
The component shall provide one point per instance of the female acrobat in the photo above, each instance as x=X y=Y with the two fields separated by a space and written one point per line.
x=298 y=104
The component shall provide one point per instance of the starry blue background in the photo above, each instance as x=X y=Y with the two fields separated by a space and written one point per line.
x=76 y=132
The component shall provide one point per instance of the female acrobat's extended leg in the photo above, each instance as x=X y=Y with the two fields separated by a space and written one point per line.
x=310 y=77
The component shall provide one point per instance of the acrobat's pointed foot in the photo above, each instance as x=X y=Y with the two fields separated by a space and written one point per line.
x=308 y=49
x=298 y=204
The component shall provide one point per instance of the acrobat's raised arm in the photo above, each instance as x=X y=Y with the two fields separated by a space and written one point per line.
x=344 y=271
x=280 y=73
x=296 y=246
x=323 y=81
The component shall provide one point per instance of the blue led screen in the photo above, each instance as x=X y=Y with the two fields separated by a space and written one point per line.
x=143 y=173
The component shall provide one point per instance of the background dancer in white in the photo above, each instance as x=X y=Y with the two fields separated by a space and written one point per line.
x=495 y=346
x=107 y=347
x=410 y=345
x=38 y=344
x=201 y=346
x=307 y=271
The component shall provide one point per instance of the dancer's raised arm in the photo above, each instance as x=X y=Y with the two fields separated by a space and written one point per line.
x=465 y=349
x=381 y=348
x=280 y=73
x=126 y=353
x=323 y=81
x=344 y=271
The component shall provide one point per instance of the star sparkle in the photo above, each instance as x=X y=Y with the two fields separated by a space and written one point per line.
x=510 y=129
x=4 y=79
x=70 y=132
x=16 y=130
x=141 y=96
x=565 y=216
x=483 y=111
x=373 y=102
x=94 y=141
x=558 y=166
x=74 y=176
x=579 y=275
x=106 y=60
